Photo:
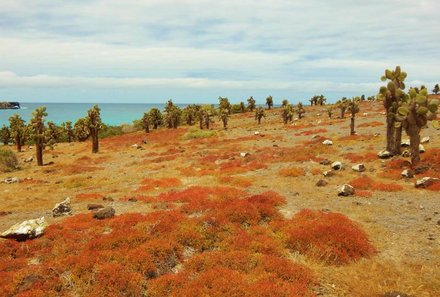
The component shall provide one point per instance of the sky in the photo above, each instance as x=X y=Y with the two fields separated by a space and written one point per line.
x=194 y=51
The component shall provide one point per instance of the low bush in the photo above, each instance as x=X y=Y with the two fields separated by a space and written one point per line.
x=292 y=172
x=8 y=160
x=330 y=237
x=195 y=133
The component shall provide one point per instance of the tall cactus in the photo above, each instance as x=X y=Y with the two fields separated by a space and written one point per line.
x=353 y=108
x=156 y=117
x=300 y=110
x=94 y=125
x=436 y=89
x=330 y=111
x=391 y=95
x=284 y=103
x=269 y=102
x=68 y=129
x=259 y=114
x=53 y=134
x=5 y=135
x=413 y=114
x=224 y=117
x=287 y=113
x=146 y=122
x=17 y=128
x=321 y=100
x=342 y=105
x=251 y=104
x=37 y=130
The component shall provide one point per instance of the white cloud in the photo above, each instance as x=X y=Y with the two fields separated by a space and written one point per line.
x=288 y=45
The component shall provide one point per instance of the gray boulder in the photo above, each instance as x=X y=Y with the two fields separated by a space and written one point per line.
x=104 y=213
x=62 y=208
x=336 y=165
x=407 y=173
x=11 y=180
x=384 y=154
x=426 y=182
x=359 y=167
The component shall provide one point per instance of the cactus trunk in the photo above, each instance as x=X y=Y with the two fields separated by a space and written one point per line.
x=397 y=140
x=95 y=141
x=352 y=132
x=414 y=140
x=39 y=152
x=390 y=134
x=18 y=143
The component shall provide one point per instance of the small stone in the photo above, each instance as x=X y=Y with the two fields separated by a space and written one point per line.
x=11 y=180
x=421 y=148
x=407 y=173
x=62 y=208
x=256 y=133
x=28 y=160
x=359 y=167
x=244 y=154
x=328 y=173
x=327 y=142
x=93 y=206
x=426 y=182
x=321 y=183
x=422 y=168
x=404 y=143
x=325 y=162
x=136 y=146
x=425 y=139
x=107 y=199
x=384 y=154
x=336 y=165
x=406 y=154
x=365 y=113
x=346 y=190
x=104 y=213
x=132 y=199
x=395 y=294
x=26 y=230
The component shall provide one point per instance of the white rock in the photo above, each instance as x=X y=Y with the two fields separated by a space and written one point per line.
x=336 y=165
x=244 y=154
x=28 y=160
x=404 y=143
x=421 y=148
x=365 y=113
x=358 y=167
x=425 y=139
x=327 y=142
x=346 y=190
x=11 y=180
x=257 y=133
x=384 y=154
x=135 y=145
x=26 y=230
x=407 y=173
x=62 y=208
x=328 y=173
x=426 y=181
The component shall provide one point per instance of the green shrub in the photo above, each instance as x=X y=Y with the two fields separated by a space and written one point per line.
x=197 y=133
x=107 y=131
x=8 y=160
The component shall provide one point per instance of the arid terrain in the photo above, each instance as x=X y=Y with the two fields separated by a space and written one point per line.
x=401 y=222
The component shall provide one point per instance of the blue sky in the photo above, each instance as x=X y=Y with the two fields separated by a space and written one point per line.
x=195 y=50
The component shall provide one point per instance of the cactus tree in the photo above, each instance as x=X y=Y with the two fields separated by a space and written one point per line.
x=18 y=129
x=269 y=102
x=413 y=114
x=37 y=128
x=156 y=117
x=146 y=122
x=353 y=108
x=391 y=95
x=224 y=117
x=68 y=129
x=342 y=105
x=259 y=114
x=436 y=89
x=287 y=113
x=94 y=125
x=251 y=104
x=330 y=111
x=300 y=110
x=5 y=135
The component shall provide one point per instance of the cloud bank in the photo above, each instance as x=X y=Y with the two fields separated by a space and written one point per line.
x=198 y=50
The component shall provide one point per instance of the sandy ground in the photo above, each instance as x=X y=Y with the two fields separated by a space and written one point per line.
x=403 y=225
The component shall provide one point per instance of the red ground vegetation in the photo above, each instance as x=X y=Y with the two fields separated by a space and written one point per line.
x=367 y=183
x=311 y=132
x=330 y=237
x=148 y=184
x=236 y=181
x=219 y=241
x=360 y=157
x=371 y=124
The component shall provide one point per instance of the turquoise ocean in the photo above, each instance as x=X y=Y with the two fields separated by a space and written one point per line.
x=111 y=113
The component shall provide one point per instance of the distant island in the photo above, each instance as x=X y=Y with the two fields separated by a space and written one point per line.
x=9 y=105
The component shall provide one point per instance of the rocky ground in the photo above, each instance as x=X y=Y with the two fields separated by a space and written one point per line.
x=402 y=222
